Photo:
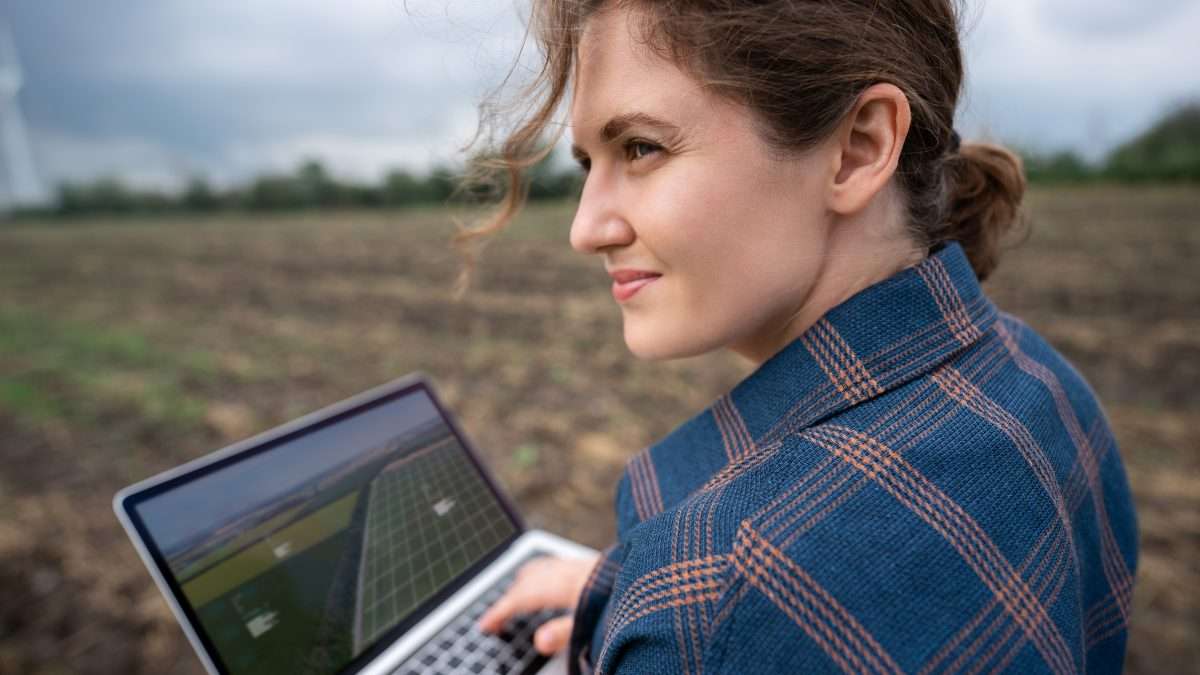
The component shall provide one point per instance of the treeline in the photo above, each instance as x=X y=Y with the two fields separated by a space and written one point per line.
x=1168 y=152
x=310 y=186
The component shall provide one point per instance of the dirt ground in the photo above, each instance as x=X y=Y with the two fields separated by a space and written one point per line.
x=129 y=347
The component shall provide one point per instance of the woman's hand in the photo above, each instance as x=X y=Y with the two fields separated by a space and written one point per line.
x=542 y=583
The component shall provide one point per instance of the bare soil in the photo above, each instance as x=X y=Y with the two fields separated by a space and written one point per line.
x=129 y=347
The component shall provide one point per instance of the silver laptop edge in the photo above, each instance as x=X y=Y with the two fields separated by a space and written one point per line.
x=148 y=560
x=395 y=654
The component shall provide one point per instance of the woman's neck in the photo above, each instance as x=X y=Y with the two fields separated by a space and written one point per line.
x=860 y=253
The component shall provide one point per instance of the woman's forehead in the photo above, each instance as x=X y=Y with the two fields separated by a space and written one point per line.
x=620 y=82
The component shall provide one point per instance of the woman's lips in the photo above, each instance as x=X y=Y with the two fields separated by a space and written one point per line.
x=624 y=291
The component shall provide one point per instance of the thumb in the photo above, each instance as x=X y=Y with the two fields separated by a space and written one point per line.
x=552 y=636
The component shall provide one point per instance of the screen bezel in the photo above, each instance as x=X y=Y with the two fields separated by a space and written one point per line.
x=126 y=502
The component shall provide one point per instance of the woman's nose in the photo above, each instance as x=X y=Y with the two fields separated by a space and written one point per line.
x=599 y=222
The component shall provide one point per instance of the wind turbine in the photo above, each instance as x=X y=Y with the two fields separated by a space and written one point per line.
x=22 y=187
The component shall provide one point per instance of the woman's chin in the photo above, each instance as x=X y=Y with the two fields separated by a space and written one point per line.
x=661 y=345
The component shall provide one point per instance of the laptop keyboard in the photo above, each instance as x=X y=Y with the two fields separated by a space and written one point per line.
x=461 y=648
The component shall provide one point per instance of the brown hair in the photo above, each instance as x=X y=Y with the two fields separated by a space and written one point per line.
x=799 y=67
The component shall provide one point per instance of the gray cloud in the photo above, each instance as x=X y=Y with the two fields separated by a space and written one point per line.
x=1109 y=18
x=159 y=89
x=208 y=84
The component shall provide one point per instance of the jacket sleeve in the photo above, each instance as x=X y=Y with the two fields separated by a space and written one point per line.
x=590 y=610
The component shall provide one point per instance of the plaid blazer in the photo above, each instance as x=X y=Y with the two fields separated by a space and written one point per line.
x=918 y=483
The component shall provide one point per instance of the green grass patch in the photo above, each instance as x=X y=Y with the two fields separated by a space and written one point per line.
x=26 y=399
x=52 y=369
x=525 y=456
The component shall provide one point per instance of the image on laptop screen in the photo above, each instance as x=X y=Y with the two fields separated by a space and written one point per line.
x=299 y=558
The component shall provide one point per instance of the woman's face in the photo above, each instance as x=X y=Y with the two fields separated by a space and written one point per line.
x=680 y=184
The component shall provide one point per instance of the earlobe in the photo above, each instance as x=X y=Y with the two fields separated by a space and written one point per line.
x=869 y=143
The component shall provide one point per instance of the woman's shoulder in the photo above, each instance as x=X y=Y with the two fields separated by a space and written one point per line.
x=980 y=501
x=1034 y=357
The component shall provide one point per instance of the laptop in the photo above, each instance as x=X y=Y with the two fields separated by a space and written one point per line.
x=366 y=537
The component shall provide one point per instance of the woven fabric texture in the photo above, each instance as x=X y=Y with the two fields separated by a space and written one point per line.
x=918 y=483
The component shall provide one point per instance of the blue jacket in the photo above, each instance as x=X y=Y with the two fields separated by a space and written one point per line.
x=918 y=483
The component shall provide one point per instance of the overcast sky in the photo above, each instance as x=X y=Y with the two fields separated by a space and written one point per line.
x=157 y=90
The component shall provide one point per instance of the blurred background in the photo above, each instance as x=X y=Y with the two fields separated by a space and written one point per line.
x=218 y=216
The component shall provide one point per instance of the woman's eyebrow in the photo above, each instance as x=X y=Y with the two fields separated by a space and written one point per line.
x=619 y=124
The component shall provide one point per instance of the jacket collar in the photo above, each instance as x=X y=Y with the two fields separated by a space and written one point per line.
x=883 y=336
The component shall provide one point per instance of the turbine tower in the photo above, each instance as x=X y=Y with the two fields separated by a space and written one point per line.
x=21 y=186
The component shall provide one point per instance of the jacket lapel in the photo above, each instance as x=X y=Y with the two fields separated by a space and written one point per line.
x=882 y=337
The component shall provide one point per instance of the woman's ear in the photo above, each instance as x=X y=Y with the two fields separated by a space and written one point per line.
x=869 y=143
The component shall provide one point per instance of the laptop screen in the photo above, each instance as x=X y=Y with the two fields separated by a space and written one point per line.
x=315 y=550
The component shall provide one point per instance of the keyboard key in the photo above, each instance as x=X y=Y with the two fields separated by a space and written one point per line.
x=459 y=647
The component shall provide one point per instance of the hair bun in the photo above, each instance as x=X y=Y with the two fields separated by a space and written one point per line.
x=986 y=185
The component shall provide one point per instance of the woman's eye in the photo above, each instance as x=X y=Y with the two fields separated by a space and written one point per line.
x=640 y=149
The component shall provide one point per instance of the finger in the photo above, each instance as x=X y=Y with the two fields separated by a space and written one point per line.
x=523 y=596
x=552 y=636
x=495 y=616
x=545 y=582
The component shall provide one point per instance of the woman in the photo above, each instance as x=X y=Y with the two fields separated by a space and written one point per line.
x=910 y=480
